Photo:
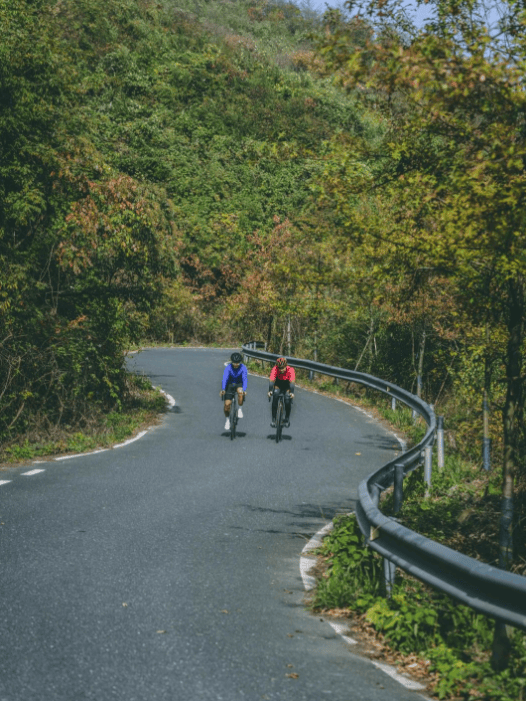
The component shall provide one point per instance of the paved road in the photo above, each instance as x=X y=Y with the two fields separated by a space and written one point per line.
x=168 y=569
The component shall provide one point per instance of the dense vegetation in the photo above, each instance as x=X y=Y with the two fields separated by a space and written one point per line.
x=142 y=161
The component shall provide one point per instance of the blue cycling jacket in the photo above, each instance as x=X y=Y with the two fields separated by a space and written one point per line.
x=235 y=376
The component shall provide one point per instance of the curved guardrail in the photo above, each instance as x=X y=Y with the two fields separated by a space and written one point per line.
x=492 y=591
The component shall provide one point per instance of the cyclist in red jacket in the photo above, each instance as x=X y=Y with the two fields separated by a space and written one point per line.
x=282 y=378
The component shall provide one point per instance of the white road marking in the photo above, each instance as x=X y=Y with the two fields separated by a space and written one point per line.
x=405 y=681
x=307 y=563
x=131 y=440
x=80 y=455
x=32 y=472
x=169 y=398
x=4 y=481
x=402 y=442
x=309 y=583
x=341 y=629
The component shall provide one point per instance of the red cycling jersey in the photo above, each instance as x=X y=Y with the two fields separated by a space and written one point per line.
x=288 y=374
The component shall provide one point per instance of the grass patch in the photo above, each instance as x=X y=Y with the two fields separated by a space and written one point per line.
x=140 y=408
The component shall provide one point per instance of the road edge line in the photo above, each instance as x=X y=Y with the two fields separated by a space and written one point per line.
x=309 y=582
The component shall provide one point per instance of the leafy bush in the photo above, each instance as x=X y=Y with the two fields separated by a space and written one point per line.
x=455 y=638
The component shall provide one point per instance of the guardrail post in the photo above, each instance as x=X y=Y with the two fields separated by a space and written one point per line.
x=393 y=403
x=398 y=488
x=440 y=442
x=486 y=454
x=389 y=576
x=311 y=372
x=428 y=462
x=501 y=646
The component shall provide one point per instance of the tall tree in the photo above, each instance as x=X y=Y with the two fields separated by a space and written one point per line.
x=449 y=189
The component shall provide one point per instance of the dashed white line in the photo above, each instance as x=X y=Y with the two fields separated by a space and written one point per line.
x=4 y=482
x=32 y=472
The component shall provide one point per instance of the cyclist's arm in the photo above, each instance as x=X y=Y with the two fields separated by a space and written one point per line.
x=244 y=377
x=226 y=375
x=292 y=379
x=271 y=386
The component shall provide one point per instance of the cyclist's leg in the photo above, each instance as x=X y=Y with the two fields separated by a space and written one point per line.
x=228 y=400
x=288 y=405
x=240 y=398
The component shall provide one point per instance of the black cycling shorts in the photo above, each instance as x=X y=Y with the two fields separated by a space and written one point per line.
x=282 y=385
x=231 y=388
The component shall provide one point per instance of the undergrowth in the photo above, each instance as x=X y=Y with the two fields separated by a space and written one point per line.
x=453 y=639
x=140 y=406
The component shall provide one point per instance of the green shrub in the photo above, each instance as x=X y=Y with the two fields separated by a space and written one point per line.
x=453 y=637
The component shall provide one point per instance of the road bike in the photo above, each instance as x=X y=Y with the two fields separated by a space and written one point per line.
x=233 y=416
x=280 y=415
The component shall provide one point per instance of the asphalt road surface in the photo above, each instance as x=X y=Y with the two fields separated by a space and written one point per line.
x=169 y=568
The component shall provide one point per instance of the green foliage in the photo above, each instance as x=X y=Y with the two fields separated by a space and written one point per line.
x=455 y=639
x=140 y=406
x=406 y=626
x=440 y=216
x=138 y=152
x=354 y=570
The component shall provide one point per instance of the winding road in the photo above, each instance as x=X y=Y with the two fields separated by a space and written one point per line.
x=168 y=569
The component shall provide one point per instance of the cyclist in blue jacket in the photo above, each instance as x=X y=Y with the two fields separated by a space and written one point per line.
x=234 y=380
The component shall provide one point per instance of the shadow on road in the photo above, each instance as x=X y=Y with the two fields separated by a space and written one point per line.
x=304 y=518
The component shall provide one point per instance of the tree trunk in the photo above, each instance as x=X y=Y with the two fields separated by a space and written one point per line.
x=420 y=365
x=512 y=417
x=513 y=412
x=486 y=441
x=368 y=341
x=269 y=331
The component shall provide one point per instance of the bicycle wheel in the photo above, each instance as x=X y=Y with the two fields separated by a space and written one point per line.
x=233 y=417
x=279 y=419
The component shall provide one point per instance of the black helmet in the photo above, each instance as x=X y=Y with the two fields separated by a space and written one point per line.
x=236 y=357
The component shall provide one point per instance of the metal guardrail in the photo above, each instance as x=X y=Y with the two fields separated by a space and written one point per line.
x=489 y=590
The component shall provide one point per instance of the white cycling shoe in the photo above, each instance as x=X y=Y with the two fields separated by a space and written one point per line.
x=227 y=425
x=240 y=413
